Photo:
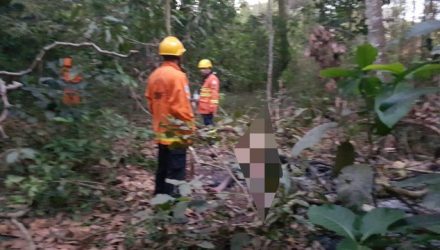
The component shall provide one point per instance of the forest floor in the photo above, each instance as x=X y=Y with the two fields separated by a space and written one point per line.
x=121 y=220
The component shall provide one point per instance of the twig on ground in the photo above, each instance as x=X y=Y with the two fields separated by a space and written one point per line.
x=17 y=214
x=421 y=123
x=318 y=178
x=404 y=192
x=238 y=182
x=211 y=165
x=25 y=233
x=195 y=157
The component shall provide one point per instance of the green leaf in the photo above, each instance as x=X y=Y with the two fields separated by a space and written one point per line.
x=174 y=182
x=336 y=72
x=185 y=189
x=378 y=220
x=396 y=68
x=312 y=137
x=379 y=128
x=420 y=180
x=365 y=55
x=432 y=201
x=12 y=157
x=196 y=183
x=335 y=218
x=28 y=153
x=348 y=244
x=12 y=180
x=206 y=245
x=239 y=240
x=285 y=179
x=161 y=199
x=430 y=222
x=391 y=108
x=427 y=71
x=112 y=19
x=354 y=185
x=63 y=120
x=179 y=210
x=344 y=157
x=199 y=205
x=434 y=228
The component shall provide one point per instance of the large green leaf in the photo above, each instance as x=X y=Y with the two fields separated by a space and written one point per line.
x=335 y=218
x=427 y=71
x=396 y=68
x=430 y=222
x=336 y=72
x=354 y=185
x=420 y=180
x=432 y=200
x=392 y=108
x=348 y=244
x=365 y=55
x=312 y=137
x=378 y=220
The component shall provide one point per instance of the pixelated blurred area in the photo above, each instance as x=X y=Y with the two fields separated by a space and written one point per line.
x=257 y=154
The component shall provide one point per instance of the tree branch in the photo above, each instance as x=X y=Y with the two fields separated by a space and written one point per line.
x=6 y=105
x=421 y=123
x=25 y=233
x=46 y=48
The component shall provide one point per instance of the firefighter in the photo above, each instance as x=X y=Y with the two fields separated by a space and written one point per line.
x=168 y=96
x=209 y=93
x=71 y=96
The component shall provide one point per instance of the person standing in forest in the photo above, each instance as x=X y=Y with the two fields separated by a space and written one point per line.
x=168 y=96
x=209 y=93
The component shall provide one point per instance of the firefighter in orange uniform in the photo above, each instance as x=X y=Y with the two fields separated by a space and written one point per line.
x=209 y=93
x=168 y=95
x=71 y=96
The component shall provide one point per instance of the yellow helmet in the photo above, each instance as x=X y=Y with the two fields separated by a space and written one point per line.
x=171 y=46
x=205 y=64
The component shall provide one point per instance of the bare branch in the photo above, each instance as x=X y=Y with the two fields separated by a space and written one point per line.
x=6 y=105
x=15 y=215
x=421 y=123
x=46 y=48
x=25 y=233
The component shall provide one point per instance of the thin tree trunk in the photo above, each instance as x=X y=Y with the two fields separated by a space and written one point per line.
x=270 y=54
x=376 y=30
x=168 y=16
x=283 y=50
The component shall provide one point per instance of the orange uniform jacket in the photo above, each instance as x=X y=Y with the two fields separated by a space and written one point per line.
x=209 y=95
x=168 y=94
x=70 y=97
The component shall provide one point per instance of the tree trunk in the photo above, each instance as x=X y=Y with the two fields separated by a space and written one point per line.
x=283 y=50
x=168 y=16
x=376 y=30
x=270 y=54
